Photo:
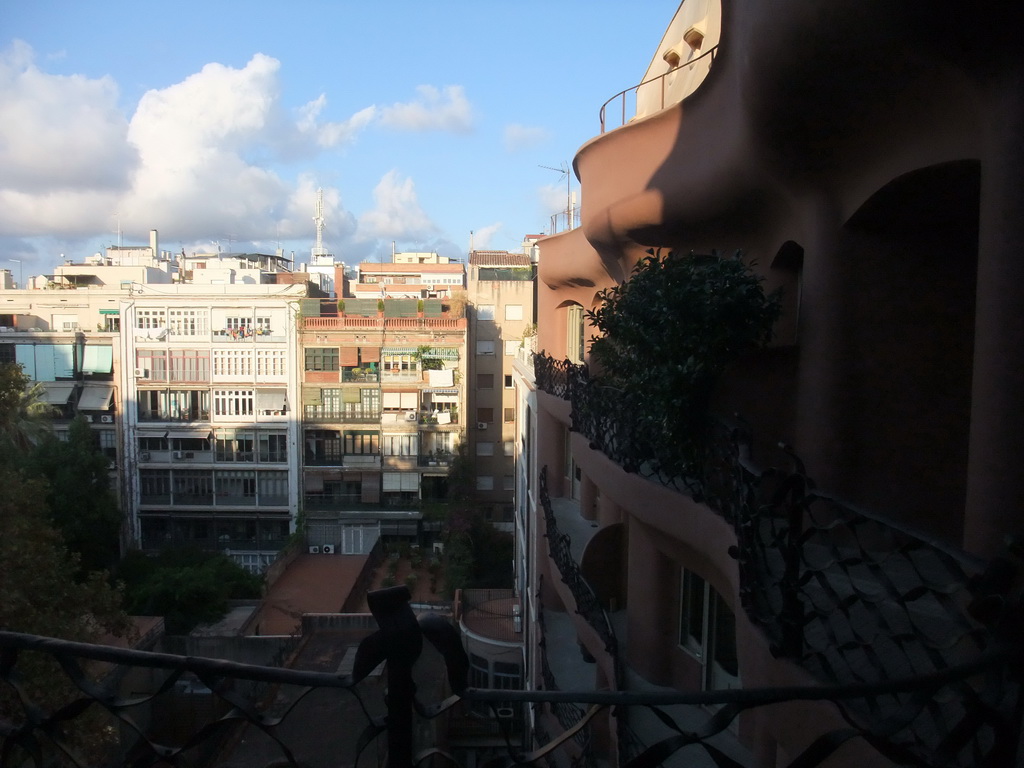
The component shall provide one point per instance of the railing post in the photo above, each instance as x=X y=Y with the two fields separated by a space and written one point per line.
x=402 y=643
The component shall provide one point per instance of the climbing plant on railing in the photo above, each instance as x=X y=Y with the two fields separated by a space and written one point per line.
x=667 y=336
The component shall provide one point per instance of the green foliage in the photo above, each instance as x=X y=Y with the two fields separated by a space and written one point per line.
x=81 y=503
x=40 y=593
x=24 y=417
x=184 y=586
x=428 y=363
x=668 y=335
x=380 y=305
x=341 y=306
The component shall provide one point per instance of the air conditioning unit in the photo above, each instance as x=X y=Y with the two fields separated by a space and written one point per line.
x=141 y=373
x=179 y=454
x=106 y=419
x=314 y=550
x=144 y=456
x=481 y=425
x=87 y=417
x=188 y=455
x=506 y=713
x=327 y=549
x=410 y=416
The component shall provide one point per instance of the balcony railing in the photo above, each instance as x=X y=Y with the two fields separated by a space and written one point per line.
x=36 y=734
x=659 y=85
x=383 y=323
x=850 y=596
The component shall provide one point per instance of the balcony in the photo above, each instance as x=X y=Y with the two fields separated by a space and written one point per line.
x=299 y=728
x=346 y=323
x=852 y=598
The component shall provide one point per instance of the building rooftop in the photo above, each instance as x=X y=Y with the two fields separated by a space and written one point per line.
x=499 y=259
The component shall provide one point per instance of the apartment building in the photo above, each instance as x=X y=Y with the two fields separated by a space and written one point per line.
x=210 y=388
x=190 y=387
x=500 y=296
x=874 y=185
x=382 y=415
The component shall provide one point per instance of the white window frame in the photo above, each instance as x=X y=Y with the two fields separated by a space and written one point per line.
x=513 y=311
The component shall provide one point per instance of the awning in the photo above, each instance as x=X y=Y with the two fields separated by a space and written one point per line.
x=96 y=397
x=442 y=391
x=442 y=353
x=97 y=359
x=57 y=392
x=349 y=357
x=271 y=399
x=369 y=354
x=399 y=351
x=189 y=434
x=110 y=311
x=436 y=398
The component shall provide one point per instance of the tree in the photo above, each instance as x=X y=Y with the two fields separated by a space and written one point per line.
x=24 y=416
x=186 y=587
x=40 y=593
x=669 y=333
x=81 y=503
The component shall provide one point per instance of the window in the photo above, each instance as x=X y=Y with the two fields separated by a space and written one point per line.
x=232 y=402
x=485 y=415
x=192 y=486
x=485 y=449
x=508 y=381
x=574 y=329
x=273 y=487
x=188 y=322
x=691 y=612
x=189 y=365
x=234 y=446
x=485 y=381
x=273 y=447
x=108 y=443
x=323 y=447
x=508 y=415
x=357 y=442
x=321 y=358
x=485 y=347
x=270 y=362
x=401 y=445
x=146 y=319
x=509 y=447
x=154 y=362
x=508 y=482
x=513 y=311
x=484 y=483
x=511 y=347
x=232 y=363
x=152 y=443
x=485 y=312
x=236 y=487
x=155 y=486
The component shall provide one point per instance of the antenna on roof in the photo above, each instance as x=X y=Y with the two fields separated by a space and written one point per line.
x=318 y=217
x=564 y=170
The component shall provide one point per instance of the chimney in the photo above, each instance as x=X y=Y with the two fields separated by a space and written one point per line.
x=153 y=244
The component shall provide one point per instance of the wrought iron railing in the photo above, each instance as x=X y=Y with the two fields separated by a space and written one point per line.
x=850 y=596
x=33 y=734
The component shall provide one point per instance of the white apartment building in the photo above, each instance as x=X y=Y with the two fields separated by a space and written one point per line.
x=209 y=428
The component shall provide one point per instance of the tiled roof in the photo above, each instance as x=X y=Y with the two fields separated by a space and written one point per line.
x=498 y=259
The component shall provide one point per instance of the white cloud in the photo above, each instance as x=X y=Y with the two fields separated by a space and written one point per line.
x=397 y=214
x=192 y=160
x=63 y=147
x=552 y=198
x=482 y=237
x=433 y=110
x=332 y=134
x=518 y=137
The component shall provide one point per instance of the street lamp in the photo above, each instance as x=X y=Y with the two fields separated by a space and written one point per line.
x=21 y=271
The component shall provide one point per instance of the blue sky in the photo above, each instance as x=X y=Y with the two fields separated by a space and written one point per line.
x=216 y=122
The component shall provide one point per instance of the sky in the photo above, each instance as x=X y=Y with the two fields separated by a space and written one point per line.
x=216 y=122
